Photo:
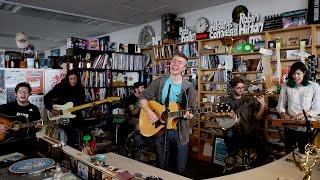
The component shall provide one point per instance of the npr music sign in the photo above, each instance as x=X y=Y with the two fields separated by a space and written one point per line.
x=247 y=25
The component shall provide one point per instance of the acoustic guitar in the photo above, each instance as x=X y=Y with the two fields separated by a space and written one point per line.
x=66 y=109
x=147 y=128
x=16 y=123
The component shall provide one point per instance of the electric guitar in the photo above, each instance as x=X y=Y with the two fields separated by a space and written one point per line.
x=147 y=128
x=12 y=124
x=66 y=109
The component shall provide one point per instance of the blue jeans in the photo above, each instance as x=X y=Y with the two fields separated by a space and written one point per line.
x=177 y=154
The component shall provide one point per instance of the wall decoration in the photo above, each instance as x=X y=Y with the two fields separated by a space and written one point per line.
x=293 y=41
x=35 y=79
x=237 y=11
x=145 y=36
x=187 y=35
x=55 y=52
x=201 y=25
x=112 y=46
x=219 y=151
x=221 y=29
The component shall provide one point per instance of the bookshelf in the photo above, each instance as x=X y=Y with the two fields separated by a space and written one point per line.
x=213 y=76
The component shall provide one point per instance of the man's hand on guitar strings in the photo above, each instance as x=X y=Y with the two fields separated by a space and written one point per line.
x=260 y=99
x=152 y=116
x=3 y=129
x=188 y=115
x=55 y=112
x=39 y=124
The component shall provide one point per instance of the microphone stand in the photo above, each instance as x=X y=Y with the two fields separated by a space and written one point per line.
x=308 y=130
x=165 y=149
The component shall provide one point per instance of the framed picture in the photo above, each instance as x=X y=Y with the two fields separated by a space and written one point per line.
x=258 y=45
x=293 y=41
x=55 y=52
x=219 y=153
x=271 y=44
x=83 y=170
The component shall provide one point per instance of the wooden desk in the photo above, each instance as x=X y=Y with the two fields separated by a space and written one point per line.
x=277 y=170
x=124 y=163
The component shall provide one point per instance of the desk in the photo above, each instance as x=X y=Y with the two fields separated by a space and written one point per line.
x=124 y=163
x=277 y=170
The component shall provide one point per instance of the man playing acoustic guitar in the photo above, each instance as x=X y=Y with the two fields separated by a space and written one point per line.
x=18 y=110
x=246 y=110
x=183 y=93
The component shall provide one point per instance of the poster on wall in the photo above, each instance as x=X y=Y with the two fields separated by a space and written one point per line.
x=1 y=78
x=38 y=101
x=53 y=77
x=11 y=95
x=13 y=77
x=219 y=151
x=55 y=52
x=3 y=96
x=35 y=79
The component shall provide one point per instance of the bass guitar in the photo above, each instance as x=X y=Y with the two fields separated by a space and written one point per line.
x=66 y=109
x=14 y=124
x=147 y=128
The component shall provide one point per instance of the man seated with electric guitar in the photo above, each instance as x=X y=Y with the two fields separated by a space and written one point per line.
x=68 y=90
x=181 y=92
x=246 y=110
x=19 y=110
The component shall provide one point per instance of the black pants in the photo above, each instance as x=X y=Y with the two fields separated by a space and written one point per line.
x=236 y=140
x=293 y=138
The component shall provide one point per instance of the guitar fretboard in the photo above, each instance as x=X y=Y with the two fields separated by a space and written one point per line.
x=195 y=111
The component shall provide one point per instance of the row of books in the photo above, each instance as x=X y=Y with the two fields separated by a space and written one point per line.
x=96 y=79
x=162 y=67
x=101 y=62
x=163 y=52
x=216 y=61
x=123 y=61
x=218 y=76
x=190 y=49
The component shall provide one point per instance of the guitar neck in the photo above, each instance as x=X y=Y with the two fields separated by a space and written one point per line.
x=195 y=111
x=83 y=106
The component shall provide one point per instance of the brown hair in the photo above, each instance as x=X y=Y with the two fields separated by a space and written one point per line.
x=234 y=81
x=181 y=55
x=23 y=84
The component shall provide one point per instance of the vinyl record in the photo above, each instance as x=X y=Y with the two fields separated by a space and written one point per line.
x=30 y=166
x=236 y=13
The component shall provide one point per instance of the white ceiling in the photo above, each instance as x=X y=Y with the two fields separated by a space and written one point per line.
x=49 y=22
